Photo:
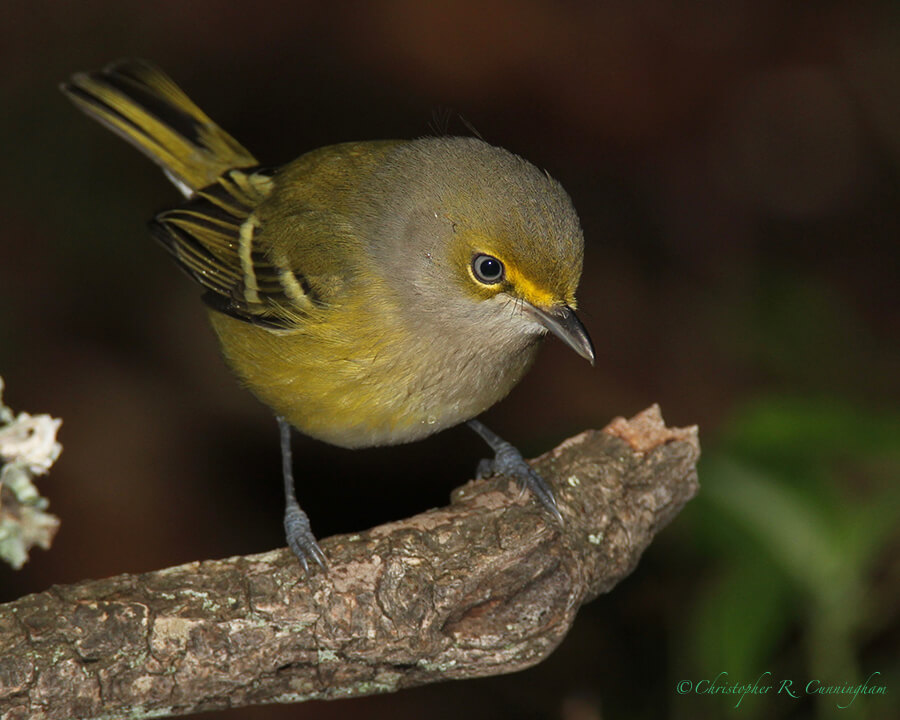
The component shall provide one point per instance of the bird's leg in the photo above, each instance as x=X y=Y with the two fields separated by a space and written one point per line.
x=296 y=524
x=509 y=461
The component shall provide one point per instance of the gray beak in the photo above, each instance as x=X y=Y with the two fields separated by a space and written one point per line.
x=564 y=323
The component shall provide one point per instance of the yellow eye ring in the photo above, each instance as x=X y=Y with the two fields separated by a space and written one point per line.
x=487 y=269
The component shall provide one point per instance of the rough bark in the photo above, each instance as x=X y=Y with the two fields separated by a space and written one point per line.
x=487 y=585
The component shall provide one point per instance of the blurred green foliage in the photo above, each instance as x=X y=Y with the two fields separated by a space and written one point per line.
x=798 y=518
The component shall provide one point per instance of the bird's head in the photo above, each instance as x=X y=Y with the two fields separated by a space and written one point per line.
x=480 y=242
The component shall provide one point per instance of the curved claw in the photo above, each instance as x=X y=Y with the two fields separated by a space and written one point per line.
x=485 y=469
x=301 y=540
x=509 y=461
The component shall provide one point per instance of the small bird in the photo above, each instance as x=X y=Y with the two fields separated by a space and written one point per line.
x=370 y=293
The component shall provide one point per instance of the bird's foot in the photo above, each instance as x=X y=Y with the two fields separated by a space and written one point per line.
x=300 y=538
x=509 y=461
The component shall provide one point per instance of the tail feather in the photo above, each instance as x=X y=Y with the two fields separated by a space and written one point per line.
x=143 y=105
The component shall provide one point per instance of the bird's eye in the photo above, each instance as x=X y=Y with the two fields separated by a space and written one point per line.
x=487 y=269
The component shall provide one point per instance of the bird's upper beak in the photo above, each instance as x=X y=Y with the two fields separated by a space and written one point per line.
x=562 y=321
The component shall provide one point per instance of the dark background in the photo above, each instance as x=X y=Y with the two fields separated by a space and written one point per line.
x=735 y=166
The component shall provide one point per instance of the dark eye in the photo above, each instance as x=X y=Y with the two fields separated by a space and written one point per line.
x=487 y=269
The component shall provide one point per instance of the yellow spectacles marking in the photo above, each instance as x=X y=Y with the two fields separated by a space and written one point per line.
x=528 y=290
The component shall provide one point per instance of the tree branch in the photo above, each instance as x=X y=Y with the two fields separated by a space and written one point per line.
x=488 y=585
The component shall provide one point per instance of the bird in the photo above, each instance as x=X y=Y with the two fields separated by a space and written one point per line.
x=369 y=293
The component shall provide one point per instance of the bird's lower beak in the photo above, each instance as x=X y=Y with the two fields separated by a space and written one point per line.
x=564 y=323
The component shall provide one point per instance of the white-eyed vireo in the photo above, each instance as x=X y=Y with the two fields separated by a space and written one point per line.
x=370 y=293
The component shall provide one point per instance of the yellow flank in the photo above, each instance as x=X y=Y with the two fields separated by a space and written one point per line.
x=341 y=285
x=353 y=376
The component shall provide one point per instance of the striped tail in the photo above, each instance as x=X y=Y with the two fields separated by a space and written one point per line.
x=142 y=104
